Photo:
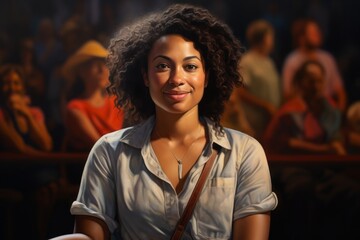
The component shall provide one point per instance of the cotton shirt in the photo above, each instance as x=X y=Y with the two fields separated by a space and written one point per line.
x=262 y=80
x=124 y=185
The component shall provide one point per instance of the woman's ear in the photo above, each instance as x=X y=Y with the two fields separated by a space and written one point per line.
x=145 y=77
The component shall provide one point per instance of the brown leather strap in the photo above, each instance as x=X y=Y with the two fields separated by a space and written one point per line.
x=185 y=217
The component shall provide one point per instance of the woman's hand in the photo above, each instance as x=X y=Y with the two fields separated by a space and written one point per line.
x=19 y=104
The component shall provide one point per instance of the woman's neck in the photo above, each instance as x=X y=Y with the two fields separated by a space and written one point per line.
x=310 y=53
x=177 y=126
x=261 y=52
x=95 y=96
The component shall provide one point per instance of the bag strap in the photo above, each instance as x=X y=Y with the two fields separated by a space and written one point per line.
x=185 y=217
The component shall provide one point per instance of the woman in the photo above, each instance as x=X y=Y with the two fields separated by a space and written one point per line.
x=310 y=122
x=173 y=71
x=22 y=126
x=90 y=112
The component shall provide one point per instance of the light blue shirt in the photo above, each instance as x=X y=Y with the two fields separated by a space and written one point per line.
x=124 y=185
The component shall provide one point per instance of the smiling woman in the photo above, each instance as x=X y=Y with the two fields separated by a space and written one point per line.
x=172 y=73
x=175 y=75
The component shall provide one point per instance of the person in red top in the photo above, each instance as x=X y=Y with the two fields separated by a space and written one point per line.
x=91 y=112
x=308 y=123
x=22 y=126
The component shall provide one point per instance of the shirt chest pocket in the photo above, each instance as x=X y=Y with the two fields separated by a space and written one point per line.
x=214 y=211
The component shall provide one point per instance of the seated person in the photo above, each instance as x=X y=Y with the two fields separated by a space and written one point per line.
x=23 y=130
x=315 y=200
x=308 y=123
x=353 y=127
x=22 y=126
x=91 y=112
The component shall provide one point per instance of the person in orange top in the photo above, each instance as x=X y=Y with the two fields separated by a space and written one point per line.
x=91 y=112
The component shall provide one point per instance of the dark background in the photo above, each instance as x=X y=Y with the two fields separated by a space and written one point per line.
x=339 y=21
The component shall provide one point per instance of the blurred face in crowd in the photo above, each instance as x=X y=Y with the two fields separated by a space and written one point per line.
x=12 y=89
x=94 y=73
x=268 y=42
x=312 y=84
x=175 y=75
x=313 y=37
x=12 y=83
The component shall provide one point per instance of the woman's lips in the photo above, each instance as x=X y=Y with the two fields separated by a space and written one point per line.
x=176 y=95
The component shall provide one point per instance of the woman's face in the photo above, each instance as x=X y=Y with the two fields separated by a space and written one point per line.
x=12 y=84
x=94 y=72
x=176 y=75
x=268 y=42
x=313 y=38
x=313 y=83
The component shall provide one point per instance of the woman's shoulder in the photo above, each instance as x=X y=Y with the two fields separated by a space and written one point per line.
x=247 y=149
x=132 y=135
x=76 y=103
x=240 y=139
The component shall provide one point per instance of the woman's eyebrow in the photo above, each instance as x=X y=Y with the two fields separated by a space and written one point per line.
x=191 y=57
x=161 y=56
x=185 y=59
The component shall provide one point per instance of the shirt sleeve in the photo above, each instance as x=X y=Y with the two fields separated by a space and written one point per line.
x=254 y=190
x=245 y=71
x=96 y=195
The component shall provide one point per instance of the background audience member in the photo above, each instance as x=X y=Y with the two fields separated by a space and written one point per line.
x=261 y=96
x=72 y=35
x=47 y=46
x=22 y=126
x=34 y=78
x=308 y=123
x=353 y=127
x=308 y=40
x=90 y=113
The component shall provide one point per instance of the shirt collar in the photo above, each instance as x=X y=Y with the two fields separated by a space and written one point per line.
x=138 y=135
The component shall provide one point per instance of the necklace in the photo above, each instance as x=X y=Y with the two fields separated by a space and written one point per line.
x=180 y=160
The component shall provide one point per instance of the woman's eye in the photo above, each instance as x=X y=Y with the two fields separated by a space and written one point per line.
x=191 y=67
x=162 y=66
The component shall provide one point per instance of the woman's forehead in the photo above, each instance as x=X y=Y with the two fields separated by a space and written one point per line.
x=173 y=45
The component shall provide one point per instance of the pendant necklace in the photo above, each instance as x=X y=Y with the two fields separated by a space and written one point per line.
x=179 y=160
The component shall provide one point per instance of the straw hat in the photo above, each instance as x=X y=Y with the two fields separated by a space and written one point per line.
x=91 y=49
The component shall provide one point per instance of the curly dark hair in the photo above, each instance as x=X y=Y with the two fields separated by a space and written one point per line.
x=214 y=40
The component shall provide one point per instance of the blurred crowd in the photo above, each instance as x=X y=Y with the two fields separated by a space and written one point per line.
x=53 y=79
x=301 y=109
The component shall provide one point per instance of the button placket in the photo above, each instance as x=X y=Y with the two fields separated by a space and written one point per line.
x=171 y=205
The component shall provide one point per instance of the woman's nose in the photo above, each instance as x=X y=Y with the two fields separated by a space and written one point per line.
x=177 y=77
